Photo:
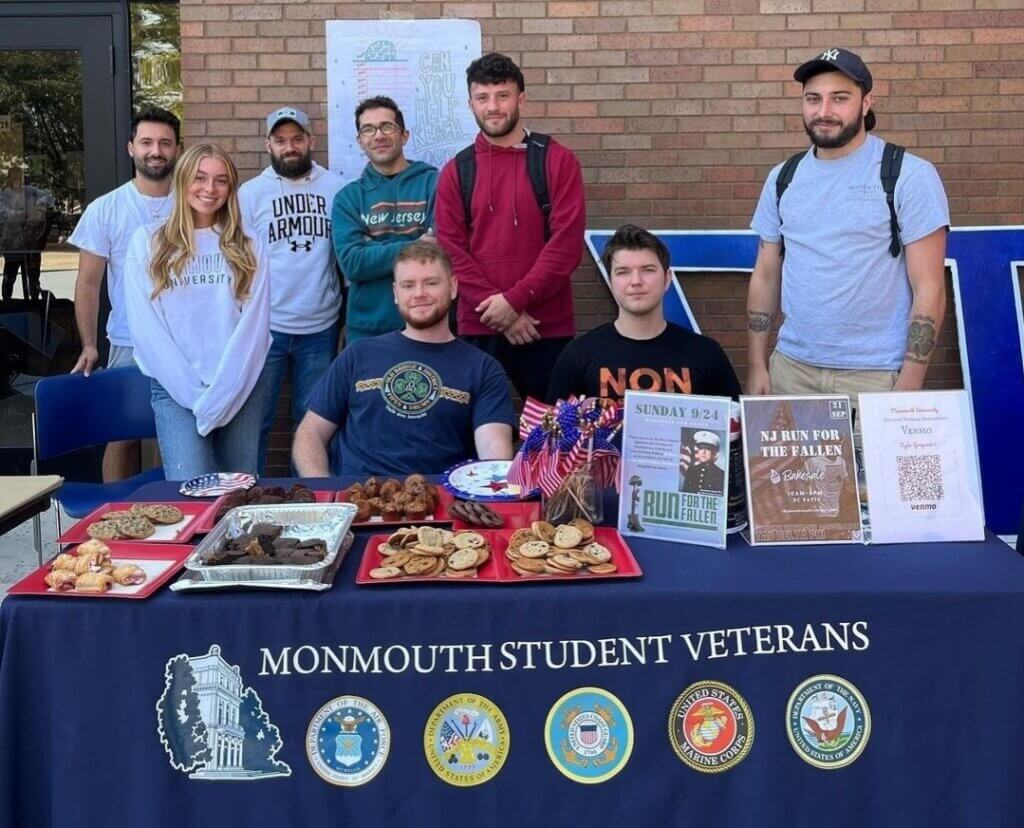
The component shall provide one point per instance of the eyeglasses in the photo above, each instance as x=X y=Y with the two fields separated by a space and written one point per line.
x=386 y=128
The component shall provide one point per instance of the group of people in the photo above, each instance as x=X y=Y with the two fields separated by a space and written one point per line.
x=217 y=289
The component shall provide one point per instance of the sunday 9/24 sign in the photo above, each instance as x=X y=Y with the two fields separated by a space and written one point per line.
x=984 y=263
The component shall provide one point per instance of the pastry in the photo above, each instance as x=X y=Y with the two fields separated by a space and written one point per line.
x=60 y=580
x=93 y=582
x=128 y=574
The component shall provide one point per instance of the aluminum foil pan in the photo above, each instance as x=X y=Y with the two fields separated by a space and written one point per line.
x=328 y=521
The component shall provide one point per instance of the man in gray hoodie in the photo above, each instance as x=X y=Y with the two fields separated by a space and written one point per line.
x=288 y=208
x=387 y=208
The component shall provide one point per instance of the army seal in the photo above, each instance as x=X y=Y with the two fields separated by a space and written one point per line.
x=466 y=740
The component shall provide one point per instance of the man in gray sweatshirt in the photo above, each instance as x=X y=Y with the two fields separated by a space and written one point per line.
x=288 y=208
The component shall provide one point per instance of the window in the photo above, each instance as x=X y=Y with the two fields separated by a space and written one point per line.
x=156 y=56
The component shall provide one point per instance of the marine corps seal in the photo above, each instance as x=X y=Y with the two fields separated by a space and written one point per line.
x=711 y=727
x=589 y=735
x=347 y=741
x=828 y=721
x=466 y=740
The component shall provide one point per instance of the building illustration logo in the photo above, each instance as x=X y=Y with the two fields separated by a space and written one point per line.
x=213 y=726
x=348 y=741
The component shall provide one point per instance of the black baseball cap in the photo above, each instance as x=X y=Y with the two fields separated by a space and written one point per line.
x=836 y=60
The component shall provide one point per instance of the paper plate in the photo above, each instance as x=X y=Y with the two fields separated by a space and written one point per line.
x=214 y=485
x=483 y=480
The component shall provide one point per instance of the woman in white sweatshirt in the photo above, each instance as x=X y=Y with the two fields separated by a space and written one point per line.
x=198 y=299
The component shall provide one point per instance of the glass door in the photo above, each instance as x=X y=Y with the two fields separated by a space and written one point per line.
x=58 y=150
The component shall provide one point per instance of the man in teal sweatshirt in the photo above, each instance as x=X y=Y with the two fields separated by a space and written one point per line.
x=388 y=207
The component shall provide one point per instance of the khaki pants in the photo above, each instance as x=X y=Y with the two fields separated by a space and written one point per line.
x=789 y=376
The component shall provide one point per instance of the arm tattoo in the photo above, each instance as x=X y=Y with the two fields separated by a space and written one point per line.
x=920 y=339
x=759 y=321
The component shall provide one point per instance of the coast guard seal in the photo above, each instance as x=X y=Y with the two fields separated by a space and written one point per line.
x=711 y=727
x=348 y=740
x=589 y=735
x=466 y=740
x=828 y=721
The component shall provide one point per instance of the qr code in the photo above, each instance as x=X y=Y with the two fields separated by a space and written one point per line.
x=920 y=477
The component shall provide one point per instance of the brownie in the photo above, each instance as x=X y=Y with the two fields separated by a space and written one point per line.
x=286 y=543
x=266 y=530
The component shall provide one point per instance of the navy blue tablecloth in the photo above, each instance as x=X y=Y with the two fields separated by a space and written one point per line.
x=942 y=673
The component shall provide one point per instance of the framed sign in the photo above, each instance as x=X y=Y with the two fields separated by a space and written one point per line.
x=675 y=461
x=921 y=467
x=801 y=473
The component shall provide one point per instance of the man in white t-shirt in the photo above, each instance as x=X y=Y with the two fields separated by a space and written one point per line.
x=862 y=289
x=288 y=208
x=102 y=236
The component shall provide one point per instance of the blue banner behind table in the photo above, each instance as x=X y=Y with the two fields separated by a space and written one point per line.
x=984 y=263
x=850 y=686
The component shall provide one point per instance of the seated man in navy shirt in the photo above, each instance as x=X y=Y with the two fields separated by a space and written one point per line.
x=417 y=400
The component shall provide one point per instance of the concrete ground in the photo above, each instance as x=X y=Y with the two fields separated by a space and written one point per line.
x=18 y=555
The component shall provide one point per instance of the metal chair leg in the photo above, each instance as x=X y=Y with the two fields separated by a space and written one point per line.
x=37 y=537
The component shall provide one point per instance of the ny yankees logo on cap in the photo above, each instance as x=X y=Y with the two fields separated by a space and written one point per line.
x=829 y=54
x=295 y=245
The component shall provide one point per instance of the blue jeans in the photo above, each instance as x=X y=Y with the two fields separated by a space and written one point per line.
x=230 y=448
x=309 y=356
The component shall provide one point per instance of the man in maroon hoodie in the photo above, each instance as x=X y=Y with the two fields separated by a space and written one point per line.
x=513 y=263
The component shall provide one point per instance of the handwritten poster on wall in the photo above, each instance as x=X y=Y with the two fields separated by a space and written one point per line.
x=421 y=65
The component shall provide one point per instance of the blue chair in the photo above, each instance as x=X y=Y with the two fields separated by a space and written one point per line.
x=74 y=412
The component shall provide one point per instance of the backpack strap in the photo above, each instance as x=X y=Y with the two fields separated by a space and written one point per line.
x=892 y=161
x=536 y=168
x=781 y=183
x=465 y=166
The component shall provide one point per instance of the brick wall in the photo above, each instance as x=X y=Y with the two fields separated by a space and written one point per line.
x=676 y=108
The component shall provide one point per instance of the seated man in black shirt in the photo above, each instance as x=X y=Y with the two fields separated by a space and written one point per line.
x=640 y=351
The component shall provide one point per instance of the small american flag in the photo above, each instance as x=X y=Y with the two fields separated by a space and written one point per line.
x=588 y=734
x=449 y=736
x=216 y=484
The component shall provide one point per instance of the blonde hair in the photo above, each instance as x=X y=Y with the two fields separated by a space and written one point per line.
x=175 y=242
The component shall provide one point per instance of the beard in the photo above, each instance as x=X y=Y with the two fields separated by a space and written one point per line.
x=292 y=167
x=422 y=323
x=153 y=173
x=840 y=139
x=498 y=132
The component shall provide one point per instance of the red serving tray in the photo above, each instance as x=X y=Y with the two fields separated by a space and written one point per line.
x=616 y=544
x=440 y=515
x=193 y=514
x=209 y=520
x=517 y=515
x=371 y=560
x=172 y=555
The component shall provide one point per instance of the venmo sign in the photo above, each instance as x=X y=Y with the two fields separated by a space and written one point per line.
x=984 y=263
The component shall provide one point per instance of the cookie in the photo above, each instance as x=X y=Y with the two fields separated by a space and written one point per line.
x=105 y=530
x=567 y=537
x=519 y=537
x=419 y=565
x=586 y=528
x=600 y=554
x=159 y=512
x=462 y=559
x=469 y=540
x=603 y=569
x=528 y=566
x=383 y=572
x=543 y=530
x=136 y=527
x=534 y=549
x=461 y=573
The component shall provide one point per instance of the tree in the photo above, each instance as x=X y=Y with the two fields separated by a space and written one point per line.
x=262 y=738
x=182 y=729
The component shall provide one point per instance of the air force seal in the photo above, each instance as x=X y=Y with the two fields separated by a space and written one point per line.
x=828 y=722
x=466 y=740
x=589 y=735
x=348 y=740
x=711 y=727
